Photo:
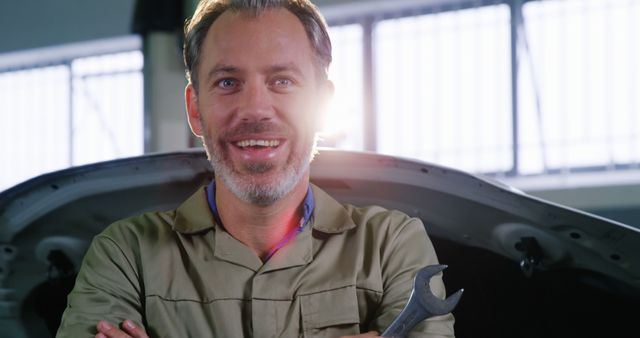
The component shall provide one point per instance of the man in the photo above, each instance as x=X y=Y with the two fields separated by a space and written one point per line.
x=259 y=252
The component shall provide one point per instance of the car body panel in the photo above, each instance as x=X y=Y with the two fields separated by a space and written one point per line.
x=63 y=211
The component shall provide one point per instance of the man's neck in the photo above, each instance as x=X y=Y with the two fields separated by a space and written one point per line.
x=259 y=227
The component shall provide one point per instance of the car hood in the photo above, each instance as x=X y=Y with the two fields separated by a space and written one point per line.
x=63 y=210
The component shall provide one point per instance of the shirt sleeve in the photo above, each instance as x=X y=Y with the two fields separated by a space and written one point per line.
x=107 y=288
x=408 y=250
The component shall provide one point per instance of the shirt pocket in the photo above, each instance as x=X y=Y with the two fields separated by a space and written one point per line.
x=330 y=313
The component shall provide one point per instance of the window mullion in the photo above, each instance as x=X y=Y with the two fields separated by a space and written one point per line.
x=516 y=21
x=368 y=78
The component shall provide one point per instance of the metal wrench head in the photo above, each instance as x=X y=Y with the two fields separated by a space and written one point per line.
x=429 y=302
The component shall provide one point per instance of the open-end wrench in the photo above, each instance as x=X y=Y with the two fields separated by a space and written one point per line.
x=422 y=304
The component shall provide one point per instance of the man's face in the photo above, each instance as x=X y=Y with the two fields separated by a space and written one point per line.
x=258 y=103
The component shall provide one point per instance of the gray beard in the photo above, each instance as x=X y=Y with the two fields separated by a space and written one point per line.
x=250 y=191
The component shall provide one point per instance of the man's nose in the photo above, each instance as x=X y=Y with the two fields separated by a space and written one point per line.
x=256 y=103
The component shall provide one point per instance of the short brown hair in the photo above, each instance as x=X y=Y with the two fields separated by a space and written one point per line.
x=209 y=10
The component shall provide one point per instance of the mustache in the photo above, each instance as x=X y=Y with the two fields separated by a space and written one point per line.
x=254 y=128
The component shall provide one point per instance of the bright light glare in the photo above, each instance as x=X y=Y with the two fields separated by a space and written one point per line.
x=343 y=124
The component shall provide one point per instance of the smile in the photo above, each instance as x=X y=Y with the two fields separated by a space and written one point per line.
x=257 y=143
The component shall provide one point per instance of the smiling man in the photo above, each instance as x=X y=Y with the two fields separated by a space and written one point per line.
x=259 y=252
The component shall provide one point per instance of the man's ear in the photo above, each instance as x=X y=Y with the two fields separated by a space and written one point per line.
x=329 y=90
x=193 y=113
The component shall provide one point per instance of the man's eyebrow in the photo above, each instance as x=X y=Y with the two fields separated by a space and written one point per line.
x=225 y=69
x=221 y=69
x=285 y=67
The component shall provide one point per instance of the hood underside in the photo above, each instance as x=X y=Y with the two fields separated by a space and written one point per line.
x=62 y=211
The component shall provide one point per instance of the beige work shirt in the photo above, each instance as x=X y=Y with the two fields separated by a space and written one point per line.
x=179 y=274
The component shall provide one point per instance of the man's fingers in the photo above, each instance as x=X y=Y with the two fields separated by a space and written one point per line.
x=370 y=334
x=133 y=329
x=106 y=330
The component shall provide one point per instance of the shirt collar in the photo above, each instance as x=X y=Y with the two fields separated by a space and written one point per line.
x=325 y=214
x=331 y=216
x=307 y=210
x=307 y=207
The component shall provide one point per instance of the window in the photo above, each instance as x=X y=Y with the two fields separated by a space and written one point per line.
x=31 y=128
x=441 y=81
x=444 y=79
x=69 y=112
x=107 y=107
x=583 y=68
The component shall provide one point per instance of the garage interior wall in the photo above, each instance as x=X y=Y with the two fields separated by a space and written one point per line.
x=37 y=24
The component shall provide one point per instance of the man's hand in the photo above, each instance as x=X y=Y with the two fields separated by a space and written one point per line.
x=106 y=330
x=370 y=334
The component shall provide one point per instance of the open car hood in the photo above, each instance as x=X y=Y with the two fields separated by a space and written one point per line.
x=65 y=209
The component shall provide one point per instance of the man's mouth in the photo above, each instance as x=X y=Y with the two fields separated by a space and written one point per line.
x=253 y=149
x=257 y=143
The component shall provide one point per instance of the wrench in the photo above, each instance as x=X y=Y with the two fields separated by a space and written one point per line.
x=422 y=304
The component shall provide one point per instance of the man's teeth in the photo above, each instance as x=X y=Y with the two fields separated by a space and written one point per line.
x=259 y=143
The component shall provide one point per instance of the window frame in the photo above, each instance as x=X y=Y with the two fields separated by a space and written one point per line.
x=369 y=16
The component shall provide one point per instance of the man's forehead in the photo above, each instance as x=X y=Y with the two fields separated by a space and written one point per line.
x=274 y=38
x=268 y=26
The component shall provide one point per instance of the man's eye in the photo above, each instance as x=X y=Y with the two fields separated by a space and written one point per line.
x=283 y=83
x=227 y=84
